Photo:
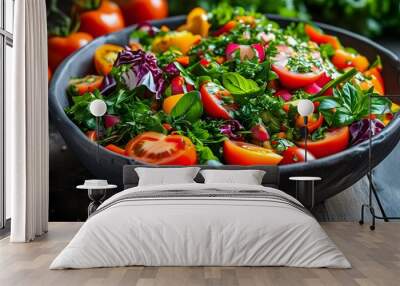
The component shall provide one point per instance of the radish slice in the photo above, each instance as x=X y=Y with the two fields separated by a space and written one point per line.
x=284 y=94
x=259 y=133
x=260 y=51
x=110 y=120
x=313 y=88
x=230 y=49
x=246 y=52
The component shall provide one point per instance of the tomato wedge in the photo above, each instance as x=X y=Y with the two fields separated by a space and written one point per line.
x=217 y=101
x=105 y=56
x=157 y=148
x=115 y=149
x=86 y=84
x=319 y=37
x=335 y=141
x=314 y=122
x=290 y=79
x=343 y=59
x=242 y=153
x=295 y=155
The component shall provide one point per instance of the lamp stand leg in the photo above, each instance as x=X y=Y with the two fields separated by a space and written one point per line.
x=384 y=217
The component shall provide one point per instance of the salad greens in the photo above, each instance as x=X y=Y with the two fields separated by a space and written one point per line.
x=226 y=89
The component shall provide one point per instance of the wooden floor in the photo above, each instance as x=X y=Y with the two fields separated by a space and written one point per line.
x=375 y=257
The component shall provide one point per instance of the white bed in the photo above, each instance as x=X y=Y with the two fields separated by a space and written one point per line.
x=246 y=226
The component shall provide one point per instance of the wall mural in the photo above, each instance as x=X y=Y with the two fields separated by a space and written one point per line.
x=220 y=87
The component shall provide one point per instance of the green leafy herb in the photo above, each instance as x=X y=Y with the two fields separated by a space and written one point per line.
x=350 y=104
x=319 y=134
x=239 y=86
x=189 y=107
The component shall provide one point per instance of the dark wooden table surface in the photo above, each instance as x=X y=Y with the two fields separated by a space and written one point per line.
x=69 y=204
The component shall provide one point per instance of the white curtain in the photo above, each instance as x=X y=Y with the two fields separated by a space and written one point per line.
x=27 y=124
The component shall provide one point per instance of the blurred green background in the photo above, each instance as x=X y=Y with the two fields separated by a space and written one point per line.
x=369 y=17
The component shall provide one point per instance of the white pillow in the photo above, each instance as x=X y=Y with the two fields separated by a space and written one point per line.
x=166 y=176
x=248 y=177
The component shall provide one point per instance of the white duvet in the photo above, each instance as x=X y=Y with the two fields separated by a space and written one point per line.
x=200 y=231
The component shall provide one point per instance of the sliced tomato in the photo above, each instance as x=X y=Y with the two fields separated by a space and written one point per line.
x=294 y=155
x=105 y=56
x=343 y=59
x=217 y=101
x=115 y=149
x=242 y=153
x=335 y=140
x=86 y=84
x=290 y=79
x=314 y=122
x=319 y=37
x=157 y=148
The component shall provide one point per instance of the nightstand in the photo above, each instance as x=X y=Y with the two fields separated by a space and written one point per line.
x=305 y=190
x=97 y=190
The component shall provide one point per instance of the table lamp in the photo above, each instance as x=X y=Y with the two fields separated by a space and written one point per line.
x=305 y=108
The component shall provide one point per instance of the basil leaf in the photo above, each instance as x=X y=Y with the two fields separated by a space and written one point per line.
x=239 y=85
x=189 y=107
x=328 y=103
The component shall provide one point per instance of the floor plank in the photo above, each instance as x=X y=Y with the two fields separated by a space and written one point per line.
x=375 y=257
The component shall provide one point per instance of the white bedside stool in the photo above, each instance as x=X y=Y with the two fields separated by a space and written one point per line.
x=97 y=190
x=305 y=190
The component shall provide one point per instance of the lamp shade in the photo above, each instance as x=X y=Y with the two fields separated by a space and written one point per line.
x=98 y=107
x=305 y=107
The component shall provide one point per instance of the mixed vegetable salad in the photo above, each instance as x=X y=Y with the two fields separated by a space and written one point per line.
x=224 y=88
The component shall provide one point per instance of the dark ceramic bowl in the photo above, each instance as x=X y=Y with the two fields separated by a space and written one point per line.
x=338 y=171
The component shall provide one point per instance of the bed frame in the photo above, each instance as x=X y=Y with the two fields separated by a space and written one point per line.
x=271 y=177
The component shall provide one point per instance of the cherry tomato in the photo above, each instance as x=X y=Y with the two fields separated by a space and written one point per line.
x=335 y=141
x=294 y=155
x=217 y=101
x=170 y=102
x=290 y=79
x=86 y=84
x=157 y=148
x=107 y=18
x=343 y=59
x=314 y=122
x=319 y=37
x=137 y=11
x=115 y=149
x=104 y=58
x=91 y=135
x=61 y=47
x=242 y=153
